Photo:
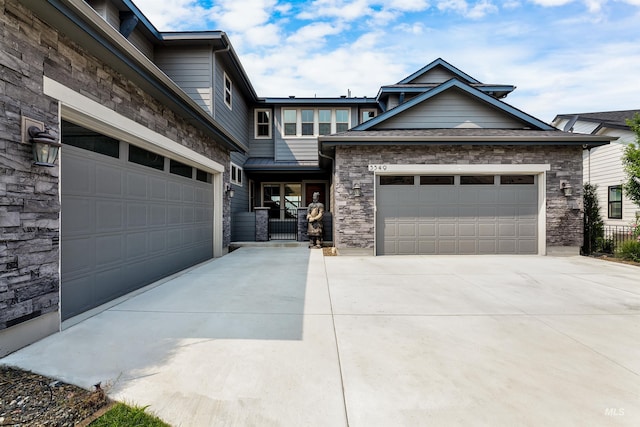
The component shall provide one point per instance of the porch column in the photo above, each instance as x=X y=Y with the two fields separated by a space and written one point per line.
x=262 y=224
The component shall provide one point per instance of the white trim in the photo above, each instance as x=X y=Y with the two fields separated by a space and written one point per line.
x=239 y=170
x=495 y=169
x=269 y=111
x=225 y=91
x=87 y=112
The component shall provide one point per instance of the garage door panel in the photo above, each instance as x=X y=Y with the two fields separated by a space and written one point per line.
x=136 y=185
x=447 y=247
x=487 y=213
x=507 y=212
x=427 y=230
x=468 y=213
x=527 y=212
x=108 y=181
x=188 y=194
x=507 y=229
x=467 y=247
x=468 y=195
x=507 y=247
x=187 y=214
x=527 y=230
x=174 y=214
x=487 y=246
x=80 y=180
x=446 y=230
x=107 y=285
x=137 y=214
x=174 y=192
x=427 y=247
x=109 y=216
x=407 y=247
x=157 y=241
x=157 y=215
x=137 y=245
x=77 y=217
x=109 y=250
x=447 y=212
x=487 y=229
x=77 y=294
x=467 y=230
x=157 y=189
x=406 y=230
x=527 y=246
x=78 y=255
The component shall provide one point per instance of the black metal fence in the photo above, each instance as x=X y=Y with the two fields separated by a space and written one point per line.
x=283 y=224
x=609 y=240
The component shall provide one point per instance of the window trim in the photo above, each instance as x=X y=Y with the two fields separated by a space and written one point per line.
x=316 y=121
x=257 y=112
x=611 y=203
x=368 y=110
x=228 y=90
x=238 y=174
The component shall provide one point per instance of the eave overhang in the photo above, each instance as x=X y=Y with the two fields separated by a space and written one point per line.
x=319 y=101
x=78 y=21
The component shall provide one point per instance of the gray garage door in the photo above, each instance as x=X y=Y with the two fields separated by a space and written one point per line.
x=129 y=217
x=471 y=214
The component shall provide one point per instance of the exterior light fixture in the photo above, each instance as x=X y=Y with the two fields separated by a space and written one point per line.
x=567 y=189
x=228 y=191
x=356 y=191
x=45 y=146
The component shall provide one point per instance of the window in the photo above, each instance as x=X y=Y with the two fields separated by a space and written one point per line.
x=228 y=91
x=367 y=115
x=146 y=158
x=516 y=179
x=203 y=176
x=436 y=180
x=342 y=120
x=181 y=169
x=615 y=202
x=89 y=140
x=236 y=174
x=476 y=180
x=396 y=180
x=307 y=122
x=324 y=122
x=290 y=121
x=263 y=124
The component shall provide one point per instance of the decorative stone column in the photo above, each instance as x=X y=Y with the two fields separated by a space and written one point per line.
x=302 y=225
x=262 y=224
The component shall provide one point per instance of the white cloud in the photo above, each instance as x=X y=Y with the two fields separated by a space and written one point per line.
x=177 y=15
x=238 y=16
x=314 y=33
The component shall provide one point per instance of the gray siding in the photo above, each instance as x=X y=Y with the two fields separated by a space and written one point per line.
x=262 y=147
x=191 y=69
x=107 y=10
x=142 y=43
x=236 y=119
x=451 y=109
x=437 y=75
x=243 y=227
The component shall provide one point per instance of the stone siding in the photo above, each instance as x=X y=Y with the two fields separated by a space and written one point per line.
x=29 y=195
x=354 y=216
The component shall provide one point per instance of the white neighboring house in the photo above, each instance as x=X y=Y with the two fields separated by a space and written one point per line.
x=602 y=166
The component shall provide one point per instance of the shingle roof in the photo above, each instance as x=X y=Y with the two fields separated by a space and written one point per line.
x=607 y=118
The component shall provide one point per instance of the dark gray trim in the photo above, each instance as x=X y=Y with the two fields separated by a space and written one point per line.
x=442 y=63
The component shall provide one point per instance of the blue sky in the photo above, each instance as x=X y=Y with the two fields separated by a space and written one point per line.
x=564 y=56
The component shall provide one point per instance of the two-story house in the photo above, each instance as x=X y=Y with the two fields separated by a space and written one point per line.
x=168 y=155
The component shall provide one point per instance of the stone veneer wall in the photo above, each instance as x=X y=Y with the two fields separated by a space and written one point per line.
x=354 y=217
x=29 y=195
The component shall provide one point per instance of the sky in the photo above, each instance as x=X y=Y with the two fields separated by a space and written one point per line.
x=563 y=56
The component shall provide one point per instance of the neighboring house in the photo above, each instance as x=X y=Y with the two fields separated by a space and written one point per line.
x=603 y=165
x=168 y=156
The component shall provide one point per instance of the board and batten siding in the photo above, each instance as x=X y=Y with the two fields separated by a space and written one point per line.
x=191 y=69
x=450 y=109
x=603 y=167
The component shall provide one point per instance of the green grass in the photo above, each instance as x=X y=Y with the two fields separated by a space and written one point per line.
x=130 y=416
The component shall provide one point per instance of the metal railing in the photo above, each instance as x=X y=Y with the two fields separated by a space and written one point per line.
x=609 y=240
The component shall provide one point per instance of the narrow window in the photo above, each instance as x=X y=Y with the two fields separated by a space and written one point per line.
x=436 y=180
x=396 y=180
x=290 y=120
x=307 y=122
x=324 y=122
x=203 y=176
x=86 y=139
x=181 y=169
x=146 y=158
x=476 y=180
x=342 y=120
x=228 y=91
x=263 y=124
x=615 y=202
x=236 y=174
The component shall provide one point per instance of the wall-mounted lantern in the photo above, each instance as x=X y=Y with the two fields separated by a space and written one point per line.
x=45 y=145
x=566 y=188
x=228 y=190
x=355 y=190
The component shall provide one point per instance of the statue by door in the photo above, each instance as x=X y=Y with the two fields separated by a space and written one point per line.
x=315 y=212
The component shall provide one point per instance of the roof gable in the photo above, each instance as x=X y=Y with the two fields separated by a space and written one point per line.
x=455 y=84
x=436 y=70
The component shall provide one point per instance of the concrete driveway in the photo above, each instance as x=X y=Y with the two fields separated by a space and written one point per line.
x=287 y=337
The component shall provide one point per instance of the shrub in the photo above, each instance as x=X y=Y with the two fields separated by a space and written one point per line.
x=593 y=224
x=630 y=250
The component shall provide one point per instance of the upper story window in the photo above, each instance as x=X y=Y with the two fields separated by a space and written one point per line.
x=367 y=114
x=236 y=174
x=228 y=91
x=312 y=122
x=615 y=202
x=342 y=120
x=263 y=124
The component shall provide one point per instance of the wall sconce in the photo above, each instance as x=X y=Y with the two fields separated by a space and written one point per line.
x=227 y=190
x=355 y=190
x=566 y=188
x=45 y=145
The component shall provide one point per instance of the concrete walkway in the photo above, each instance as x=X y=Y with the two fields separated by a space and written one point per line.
x=287 y=337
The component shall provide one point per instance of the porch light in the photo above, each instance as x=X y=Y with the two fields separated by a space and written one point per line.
x=45 y=146
x=566 y=188
x=228 y=191
x=356 y=191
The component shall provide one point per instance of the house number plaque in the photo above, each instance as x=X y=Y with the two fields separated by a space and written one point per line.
x=377 y=168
